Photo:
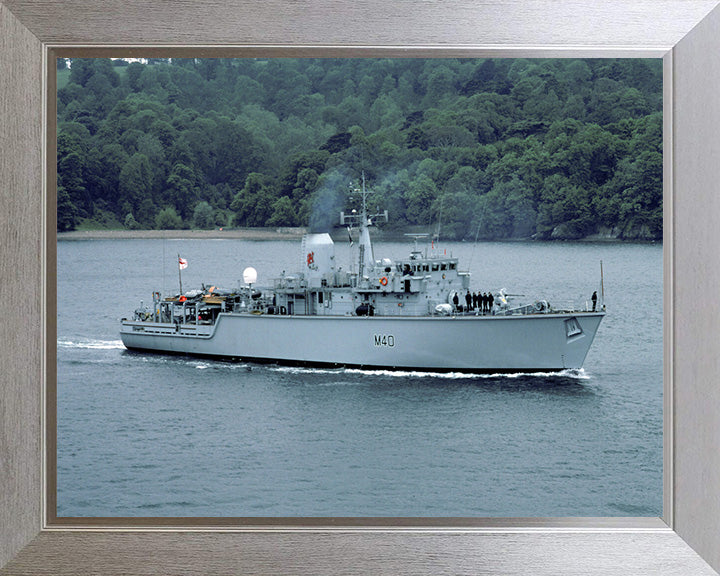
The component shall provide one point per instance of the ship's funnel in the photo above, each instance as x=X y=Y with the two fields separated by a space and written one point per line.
x=318 y=257
x=249 y=275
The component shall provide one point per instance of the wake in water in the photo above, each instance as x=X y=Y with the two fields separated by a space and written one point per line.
x=92 y=344
x=574 y=373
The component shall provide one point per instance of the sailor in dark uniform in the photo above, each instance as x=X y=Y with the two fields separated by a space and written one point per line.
x=491 y=301
x=456 y=300
x=594 y=300
x=468 y=301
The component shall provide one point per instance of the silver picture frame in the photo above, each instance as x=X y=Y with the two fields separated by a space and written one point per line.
x=683 y=32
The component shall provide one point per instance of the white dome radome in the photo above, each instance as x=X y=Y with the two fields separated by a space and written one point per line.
x=249 y=275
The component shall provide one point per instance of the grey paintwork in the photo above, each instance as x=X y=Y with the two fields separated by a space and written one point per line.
x=533 y=342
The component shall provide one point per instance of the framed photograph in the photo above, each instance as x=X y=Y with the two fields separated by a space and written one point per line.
x=440 y=544
x=373 y=331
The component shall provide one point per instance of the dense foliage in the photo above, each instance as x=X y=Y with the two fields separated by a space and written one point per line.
x=501 y=148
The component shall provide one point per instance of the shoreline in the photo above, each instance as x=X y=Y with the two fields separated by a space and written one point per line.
x=234 y=233
x=296 y=233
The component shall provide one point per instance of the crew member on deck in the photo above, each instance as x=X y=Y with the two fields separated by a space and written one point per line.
x=456 y=301
x=468 y=300
x=594 y=300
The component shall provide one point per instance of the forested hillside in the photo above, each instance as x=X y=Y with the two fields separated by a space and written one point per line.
x=493 y=148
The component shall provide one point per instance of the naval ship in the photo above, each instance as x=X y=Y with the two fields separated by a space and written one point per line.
x=409 y=314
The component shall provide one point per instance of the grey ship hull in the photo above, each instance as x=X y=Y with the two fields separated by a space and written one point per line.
x=516 y=343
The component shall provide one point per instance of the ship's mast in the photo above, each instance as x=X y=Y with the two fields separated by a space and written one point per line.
x=364 y=221
x=367 y=258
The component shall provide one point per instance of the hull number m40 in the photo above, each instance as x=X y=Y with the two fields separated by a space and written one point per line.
x=387 y=340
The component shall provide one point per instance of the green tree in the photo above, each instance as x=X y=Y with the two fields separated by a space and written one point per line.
x=70 y=174
x=168 y=219
x=81 y=70
x=146 y=213
x=253 y=205
x=134 y=70
x=392 y=191
x=180 y=188
x=520 y=208
x=135 y=180
x=305 y=184
x=493 y=222
x=419 y=199
x=221 y=217
x=439 y=82
x=637 y=186
x=284 y=213
x=67 y=213
x=203 y=216
x=455 y=213
x=130 y=222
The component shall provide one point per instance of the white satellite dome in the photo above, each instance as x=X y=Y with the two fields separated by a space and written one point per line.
x=249 y=275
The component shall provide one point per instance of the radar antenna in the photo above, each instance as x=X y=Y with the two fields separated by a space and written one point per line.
x=416 y=236
x=363 y=218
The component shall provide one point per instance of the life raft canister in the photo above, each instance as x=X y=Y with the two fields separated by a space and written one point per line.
x=384 y=280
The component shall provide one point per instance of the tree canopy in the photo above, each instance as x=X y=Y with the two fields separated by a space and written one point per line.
x=495 y=148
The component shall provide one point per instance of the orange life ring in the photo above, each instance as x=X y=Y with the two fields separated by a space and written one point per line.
x=384 y=280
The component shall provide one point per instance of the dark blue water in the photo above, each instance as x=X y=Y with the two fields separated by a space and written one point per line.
x=154 y=435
